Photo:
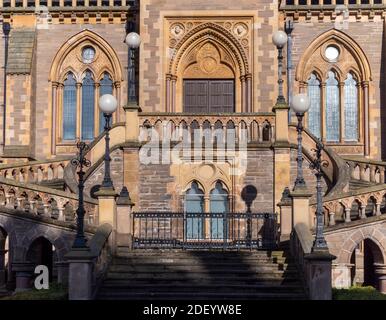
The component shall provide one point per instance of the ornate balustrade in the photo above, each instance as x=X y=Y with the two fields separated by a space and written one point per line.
x=354 y=205
x=256 y=127
x=36 y=171
x=366 y=170
x=43 y=201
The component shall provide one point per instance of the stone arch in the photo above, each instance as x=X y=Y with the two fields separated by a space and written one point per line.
x=228 y=60
x=351 y=60
x=215 y=33
x=358 y=236
x=69 y=59
x=85 y=37
x=334 y=36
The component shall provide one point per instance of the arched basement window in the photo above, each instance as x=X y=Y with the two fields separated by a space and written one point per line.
x=332 y=108
x=218 y=204
x=350 y=109
x=69 y=108
x=194 y=203
x=88 y=107
x=314 y=112
x=106 y=87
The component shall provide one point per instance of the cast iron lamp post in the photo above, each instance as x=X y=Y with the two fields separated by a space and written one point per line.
x=80 y=161
x=279 y=39
x=300 y=105
x=316 y=164
x=107 y=105
x=133 y=41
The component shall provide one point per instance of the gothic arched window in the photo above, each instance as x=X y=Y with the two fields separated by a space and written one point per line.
x=332 y=108
x=194 y=204
x=106 y=87
x=218 y=204
x=88 y=107
x=69 y=108
x=350 y=109
x=314 y=112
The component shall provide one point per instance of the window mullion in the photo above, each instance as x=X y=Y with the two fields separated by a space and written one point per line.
x=323 y=111
x=342 y=114
x=78 y=110
x=97 y=112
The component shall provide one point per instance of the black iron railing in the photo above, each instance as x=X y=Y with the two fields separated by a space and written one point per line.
x=205 y=230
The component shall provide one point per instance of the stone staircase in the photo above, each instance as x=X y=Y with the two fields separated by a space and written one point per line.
x=202 y=275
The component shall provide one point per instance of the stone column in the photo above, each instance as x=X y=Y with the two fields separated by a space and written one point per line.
x=54 y=116
x=300 y=207
x=282 y=152
x=363 y=212
x=125 y=230
x=380 y=272
x=378 y=209
x=347 y=215
x=331 y=220
x=319 y=271
x=80 y=277
x=24 y=272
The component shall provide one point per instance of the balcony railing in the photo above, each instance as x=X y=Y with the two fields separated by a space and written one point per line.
x=253 y=127
x=181 y=230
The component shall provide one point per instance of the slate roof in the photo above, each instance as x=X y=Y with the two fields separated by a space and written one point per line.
x=21 y=46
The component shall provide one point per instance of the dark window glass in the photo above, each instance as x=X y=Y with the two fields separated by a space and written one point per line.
x=88 y=107
x=69 y=108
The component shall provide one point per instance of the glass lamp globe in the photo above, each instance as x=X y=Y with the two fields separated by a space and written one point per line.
x=279 y=38
x=133 y=40
x=108 y=104
x=300 y=103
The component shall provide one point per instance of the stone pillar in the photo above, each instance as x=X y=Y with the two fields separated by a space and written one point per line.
x=282 y=152
x=80 y=277
x=24 y=272
x=285 y=206
x=124 y=219
x=62 y=267
x=378 y=209
x=331 y=221
x=319 y=266
x=131 y=122
x=363 y=212
x=108 y=211
x=347 y=215
x=300 y=207
x=380 y=272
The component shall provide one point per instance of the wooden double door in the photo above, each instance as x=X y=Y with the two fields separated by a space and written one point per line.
x=209 y=96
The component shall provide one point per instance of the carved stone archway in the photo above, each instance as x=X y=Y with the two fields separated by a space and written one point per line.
x=209 y=51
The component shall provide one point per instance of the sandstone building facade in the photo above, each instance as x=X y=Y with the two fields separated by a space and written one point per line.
x=202 y=66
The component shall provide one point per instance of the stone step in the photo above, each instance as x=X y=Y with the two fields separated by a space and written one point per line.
x=214 y=287
x=200 y=267
x=201 y=296
x=182 y=276
x=124 y=283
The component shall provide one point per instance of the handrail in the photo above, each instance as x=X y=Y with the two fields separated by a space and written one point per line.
x=337 y=172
